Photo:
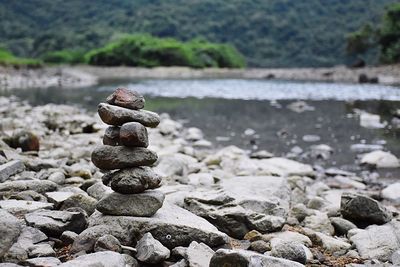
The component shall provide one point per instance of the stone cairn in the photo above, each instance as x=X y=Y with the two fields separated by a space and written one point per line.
x=125 y=155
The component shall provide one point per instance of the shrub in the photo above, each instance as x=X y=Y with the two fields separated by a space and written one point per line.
x=8 y=59
x=64 y=57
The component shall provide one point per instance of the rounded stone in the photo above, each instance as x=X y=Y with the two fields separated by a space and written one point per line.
x=141 y=205
x=111 y=136
x=132 y=180
x=126 y=98
x=120 y=157
x=133 y=134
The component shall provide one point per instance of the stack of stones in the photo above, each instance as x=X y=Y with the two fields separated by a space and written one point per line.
x=125 y=158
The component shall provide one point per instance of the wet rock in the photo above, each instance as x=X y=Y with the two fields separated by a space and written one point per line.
x=293 y=251
x=126 y=98
x=25 y=140
x=133 y=134
x=322 y=151
x=111 y=136
x=9 y=231
x=119 y=157
x=143 y=204
x=377 y=242
x=54 y=223
x=381 y=159
x=342 y=226
x=113 y=115
x=243 y=258
x=10 y=168
x=199 y=254
x=41 y=250
x=371 y=121
x=102 y=259
x=22 y=206
x=364 y=148
x=171 y=225
x=262 y=154
x=40 y=186
x=392 y=193
x=150 y=250
x=132 y=180
x=107 y=243
x=43 y=261
x=363 y=210
x=82 y=201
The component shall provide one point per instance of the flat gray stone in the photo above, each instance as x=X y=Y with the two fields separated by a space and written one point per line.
x=9 y=231
x=132 y=180
x=171 y=225
x=113 y=115
x=41 y=250
x=244 y=258
x=22 y=206
x=143 y=205
x=43 y=261
x=120 y=157
x=102 y=259
x=58 y=198
x=10 y=168
x=40 y=186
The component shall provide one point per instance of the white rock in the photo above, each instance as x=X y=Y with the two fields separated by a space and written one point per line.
x=392 y=193
x=381 y=159
x=371 y=121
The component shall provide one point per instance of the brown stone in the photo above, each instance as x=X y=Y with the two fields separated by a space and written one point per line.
x=133 y=134
x=126 y=98
x=114 y=115
x=111 y=136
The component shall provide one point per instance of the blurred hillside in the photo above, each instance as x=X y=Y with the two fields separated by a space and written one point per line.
x=273 y=33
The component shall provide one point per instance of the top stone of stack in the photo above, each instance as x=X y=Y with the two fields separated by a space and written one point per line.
x=126 y=98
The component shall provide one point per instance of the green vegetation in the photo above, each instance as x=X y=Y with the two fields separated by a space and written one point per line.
x=148 y=51
x=64 y=57
x=8 y=59
x=385 y=37
x=273 y=33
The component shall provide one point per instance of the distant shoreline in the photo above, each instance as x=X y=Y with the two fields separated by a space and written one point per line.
x=81 y=76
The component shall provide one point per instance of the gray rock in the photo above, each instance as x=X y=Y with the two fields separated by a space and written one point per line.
x=363 y=210
x=98 y=190
x=199 y=255
x=181 y=263
x=28 y=195
x=10 y=168
x=54 y=223
x=342 y=226
x=260 y=246
x=143 y=205
x=84 y=202
x=86 y=240
x=68 y=237
x=111 y=136
x=40 y=186
x=23 y=206
x=119 y=157
x=381 y=159
x=43 y=261
x=57 y=198
x=102 y=259
x=9 y=264
x=392 y=193
x=126 y=98
x=244 y=258
x=293 y=251
x=378 y=242
x=132 y=180
x=331 y=244
x=171 y=225
x=133 y=134
x=150 y=250
x=396 y=257
x=107 y=242
x=41 y=250
x=113 y=115
x=57 y=177
x=289 y=236
x=9 y=231
x=319 y=222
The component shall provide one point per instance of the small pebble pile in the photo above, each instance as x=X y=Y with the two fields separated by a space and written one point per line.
x=125 y=158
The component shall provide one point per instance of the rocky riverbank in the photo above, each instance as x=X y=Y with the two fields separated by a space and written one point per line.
x=79 y=76
x=222 y=205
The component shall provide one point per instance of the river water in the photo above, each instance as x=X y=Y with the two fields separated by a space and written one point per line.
x=259 y=114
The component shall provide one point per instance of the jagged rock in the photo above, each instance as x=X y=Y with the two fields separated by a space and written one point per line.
x=133 y=134
x=342 y=226
x=82 y=201
x=43 y=261
x=102 y=259
x=41 y=250
x=22 y=206
x=363 y=210
x=57 y=198
x=331 y=244
x=40 y=186
x=126 y=98
x=381 y=159
x=293 y=251
x=68 y=237
x=119 y=157
x=319 y=222
x=54 y=223
x=244 y=258
x=113 y=115
x=150 y=250
x=199 y=254
x=171 y=225
x=143 y=204
x=10 y=168
x=106 y=243
x=377 y=242
x=132 y=180
x=86 y=240
x=9 y=231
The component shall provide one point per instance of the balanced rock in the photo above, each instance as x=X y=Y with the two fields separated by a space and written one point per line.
x=133 y=134
x=143 y=205
x=114 y=115
x=132 y=180
x=119 y=157
x=126 y=98
x=111 y=136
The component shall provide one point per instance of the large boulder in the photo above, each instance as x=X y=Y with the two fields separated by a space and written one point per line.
x=171 y=225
